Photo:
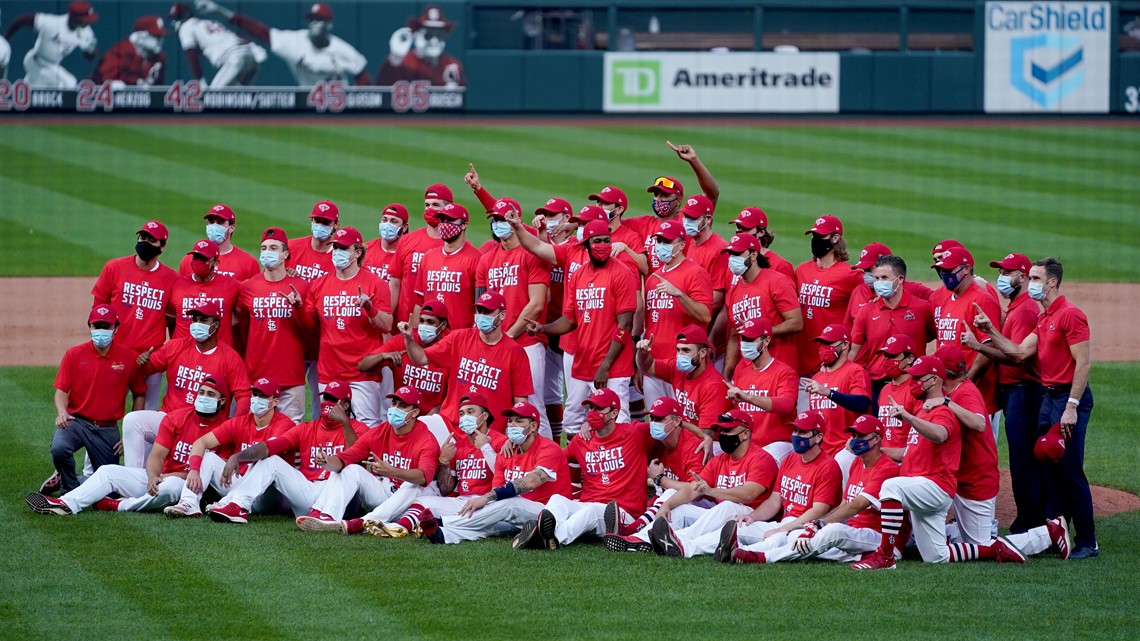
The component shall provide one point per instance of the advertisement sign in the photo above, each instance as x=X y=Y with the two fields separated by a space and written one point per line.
x=1047 y=57
x=722 y=82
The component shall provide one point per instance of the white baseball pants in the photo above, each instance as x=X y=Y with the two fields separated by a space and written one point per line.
x=495 y=519
x=751 y=536
x=703 y=535
x=237 y=67
x=574 y=518
x=291 y=402
x=974 y=519
x=274 y=473
x=139 y=431
x=928 y=505
x=211 y=474
x=128 y=482
x=834 y=542
x=536 y=354
x=377 y=494
x=153 y=392
x=552 y=383
x=46 y=75
x=366 y=398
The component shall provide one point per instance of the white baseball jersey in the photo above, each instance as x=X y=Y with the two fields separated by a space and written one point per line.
x=5 y=54
x=210 y=36
x=54 y=40
x=338 y=61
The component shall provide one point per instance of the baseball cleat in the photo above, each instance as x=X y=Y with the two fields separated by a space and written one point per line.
x=1059 y=534
x=742 y=557
x=50 y=486
x=664 y=540
x=546 y=526
x=727 y=545
x=41 y=504
x=316 y=521
x=527 y=538
x=183 y=510
x=384 y=530
x=352 y=526
x=107 y=505
x=1007 y=552
x=429 y=528
x=612 y=518
x=619 y=543
x=229 y=513
x=875 y=561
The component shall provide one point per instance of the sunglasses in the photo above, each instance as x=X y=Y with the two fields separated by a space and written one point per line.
x=664 y=182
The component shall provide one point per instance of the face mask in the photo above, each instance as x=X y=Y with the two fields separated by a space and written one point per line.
x=917 y=390
x=894 y=369
x=685 y=363
x=427 y=332
x=431 y=216
x=728 y=442
x=884 y=288
x=950 y=280
x=664 y=252
x=1006 y=287
x=341 y=258
x=468 y=423
x=611 y=213
x=750 y=350
x=596 y=419
x=692 y=226
x=485 y=323
x=859 y=446
x=200 y=331
x=102 y=337
x=601 y=251
x=389 y=232
x=321 y=232
x=1036 y=291
x=397 y=417
x=147 y=252
x=258 y=406
x=516 y=435
x=550 y=225
x=201 y=268
x=205 y=404
x=801 y=444
x=501 y=229
x=737 y=265
x=326 y=407
x=828 y=354
x=657 y=430
x=868 y=279
x=820 y=246
x=664 y=208
x=449 y=231
x=270 y=260
x=216 y=232
x=578 y=234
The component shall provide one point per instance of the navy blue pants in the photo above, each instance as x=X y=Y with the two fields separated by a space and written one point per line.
x=79 y=434
x=1021 y=406
x=1069 y=488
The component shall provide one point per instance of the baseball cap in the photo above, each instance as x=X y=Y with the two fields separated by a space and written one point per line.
x=826 y=225
x=207 y=307
x=955 y=257
x=866 y=424
x=439 y=191
x=951 y=356
x=338 y=390
x=808 y=422
x=751 y=217
x=346 y=236
x=432 y=18
x=492 y=300
x=556 y=206
x=1051 y=447
x=266 y=386
x=668 y=185
x=732 y=419
x=82 y=11
x=397 y=210
x=590 y=213
x=604 y=397
x=434 y=308
x=475 y=398
x=697 y=206
x=152 y=25
x=452 y=211
x=670 y=230
x=205 y=248
x=319 y=11
x=1018 y=262
x=154 y=229
x=409 y=395
x=756 y=328
x=522 y=409
x=503 y=206
x=218 y=383
x=103 y=314
x=741 y=243
x=610 y=195
x=222 y=211
x=897 y=344
x=275 y=233
x=693 y=335
x=926 y=365
x=326 y=209
x=870 y=254
x=832 y=333
x=594 y=228
x=665 y=406
x=944 y=245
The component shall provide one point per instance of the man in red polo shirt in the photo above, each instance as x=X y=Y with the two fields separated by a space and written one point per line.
x=765 y=388
x=234 y=262
x=204 y=283
x=860 y=296
x=760 y=293
x=840 y=391
x=695 y=382
x=825 y=286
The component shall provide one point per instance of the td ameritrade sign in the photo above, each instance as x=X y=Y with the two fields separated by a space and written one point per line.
x=1047 y=56
x=722 y=82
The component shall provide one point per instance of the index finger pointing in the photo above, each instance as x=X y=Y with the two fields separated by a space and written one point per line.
x=672 y=146
x=472 y=166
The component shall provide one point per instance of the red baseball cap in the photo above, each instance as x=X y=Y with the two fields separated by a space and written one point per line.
x=452 y=211
x=1013 y=262
x=808 y=422
x=826 y=225
x=589 y=214
x=897 y=344
x=431 y=18
x=610 y=195
x=326 y=209
x=434 y=308
x=832 y=333
x=741 y=243
x=665 y=406
x=732 y=419
x=266 y=386
x=338 y=390
x=492 y=300
x=275 y=233
x=697 y=206
x=668 y=185
x=866 y=424
x=951 y=356
x=756 y=328
x=154 y=229
x=218 y=383
x=409 y=395
x=523 y=410
x=751 y=217
x=205 y=248
x=556 y=206
x=870 y=254
x=397 y=210
x=82 y=11
x=604 y=397
x=504 y=206
x=152 y=25
x=926 y=365
x=319 y=11
x=955 y=257
x=595 y=228
x=207 y=307
x=438 y=191
x=670 y=230
x=475 y=398
x=1051 y=447
x=103 y=314
x=693 y=335
x=221 y=211
x=347 y=236
x=944 y=245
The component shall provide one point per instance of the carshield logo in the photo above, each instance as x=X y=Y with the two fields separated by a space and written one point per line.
x=1046 y=67
x=636 y=82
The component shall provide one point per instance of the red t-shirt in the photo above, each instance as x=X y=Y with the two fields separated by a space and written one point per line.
x=186 y=365
x=875 y=323
x=777 y=381
x=1058 y=328
x=954 y=316
x=848 y=379
x=778 y=263
x=645 y=229
x=238 y=264
x=95 y=383
x=415 y=450
x=274 y=329
x=177 y=432
x=613 y=466
x=978 y=472
x=473 y=475
x=240 y=432
x=557 y=287
x=704 y=397
x=803 y=484
x=769 y=295
x=1020 y=321
x=409 y=254
x=682 y=459
x=824 y=294
x=429 y=380
x=664 y=314
x=715 y=262
x=756 y=466
x=347 y=334
x=450 y=279
x=186 y=293
x=311 y=438
x=511 y=272
x=309 y=264
x=938 y=462
x=571 y=256
x=140 y=299
x=380 y=262
x=542 y=453
x=868 y=482
x=894 y=430
x=500 y=372
x=598 y=297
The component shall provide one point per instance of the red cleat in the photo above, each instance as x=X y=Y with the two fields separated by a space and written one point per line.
x=230 y=513
x=875 y=561
x=352 y=526
x=316 y=521
x=107 y=505
x=1059 y=534
x=746 y=556
x=1007 y=552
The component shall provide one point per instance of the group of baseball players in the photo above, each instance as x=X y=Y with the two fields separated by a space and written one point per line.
x=712 y=398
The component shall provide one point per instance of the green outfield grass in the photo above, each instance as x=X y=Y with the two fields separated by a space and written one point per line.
x=139 y=576
x=73 y=194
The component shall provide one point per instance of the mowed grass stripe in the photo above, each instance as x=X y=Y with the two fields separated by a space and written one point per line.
x=1123 y=142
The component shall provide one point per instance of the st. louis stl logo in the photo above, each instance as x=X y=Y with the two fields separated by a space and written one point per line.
x=1046 y=67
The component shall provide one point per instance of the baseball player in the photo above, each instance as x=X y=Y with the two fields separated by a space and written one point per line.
x=92 y=381
x=705 y=248
x=840 y=391
x=138 y=59
x=552 y=220
x=761 y=292
x=5 y=57
x=614 y=203
x=416 y=53
x=898 y=353
x=235 y=59
x=232 y=260
x=410 y=252
x=695 y=383
x=138 y=288
x=406 y=456
x=160 y=483
x=310 y=258
x=928 y=481
x=351 y=323
x=381 y=252
x=204 y=284
x=324 y=436
x=764 y=388
x=826 y=283
x=56 y=37
x=313 y=54
x=754 y=222
x=447 y=273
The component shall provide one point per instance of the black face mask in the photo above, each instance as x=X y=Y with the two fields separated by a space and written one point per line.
x=820 y=246
x=146 y=251
x=729 y=442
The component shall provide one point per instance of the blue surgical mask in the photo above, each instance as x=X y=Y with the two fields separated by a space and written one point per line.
x=341 y=258
x=664 y=252
x=321 y=232
x=258 y=405
x=657 y=430
x=270 y=260
x=200 y=331
x=397 y=417
x=685 y=363
x=801 y=444
x=216 y=232
x=468 y=423
x=737 y=265
x=550 y=225
x=501 y=229
x=427 y=332
x=950 y=279
x=868 y=279
x=485 y=323
x=692 y=226
x=102 y=337
x=859 y=446
x=580 y=233
x=205 y=404
x=1005 y=286
x=750 y=350
x=389 y=232
x=1036 y=291
x=516 y=435
x=884 y=288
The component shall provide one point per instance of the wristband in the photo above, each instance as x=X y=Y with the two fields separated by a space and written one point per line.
x=505 y=492
x=195 y=463
x=1074 y=401
x=371 y=310
x=657 y=479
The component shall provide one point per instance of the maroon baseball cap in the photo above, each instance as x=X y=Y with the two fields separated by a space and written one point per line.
x=756 y=328
x=589 y=214
x=397 y=210
x=665 y=406
x=347 y=236
x=326 y=209
x=266 y=386
x=832 y=333
x=221 y=211
x=319 y=11
x=504 y=206
x=897 y=344
x=523 y=410
x=1051 y=447
x=82 y=11
x=667 y=185
x=103 y=314
x=595 y=228
x=670 y=230
x=870 y=254
x=951 y=356
x=693 y=335
x=275 y=233
x=438 y=191
x=152 y=25
x=409 y=395
x=218 y=383
x=926 y=365
x=604 y=398
x=944 y=245
x=751 y=217
x=732 y=419
x=207 y=307
x=492 y=300
x=1013 y=262
x=741 y=243
x=338 y=390
x=697 y=206
x=452 y=211
x=826 y=225
x=556 y=206
x=610 y=195
x=866 y=424
x=955 y=257
x=154 y=229
x=808 y=422
x=434 y=308
x=205 y=248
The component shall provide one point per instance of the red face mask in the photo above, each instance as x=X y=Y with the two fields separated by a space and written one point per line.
x=596 y=419
x=893 y=369
x=326 y=407
x=201 y=268
x=601 y=251
x=828 y=354
x=917 y=390
x=431 y=216
x=449 y=231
